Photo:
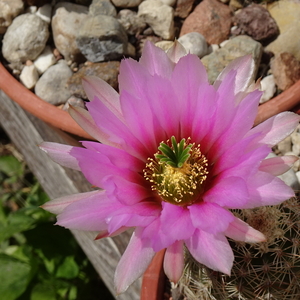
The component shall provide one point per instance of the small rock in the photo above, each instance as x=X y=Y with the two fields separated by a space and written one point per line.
x=83 y=2
x=126 y=3
x=287 y=16
x=295 y=136
x=194 y=43
x=74 y=101
x=29 y=76
x=235 y=4
x=52 y=84
x=159 y=17
x=290 y=179
x=165 y=45
x=8 y=11
x=25 y=38
x=101 y=39
x=45 y=60
x=286 y=70
x=169 y=2
x=44 y=12
x=108 y=71
x=131 y=22
x=268 y=86
x=212 y=19
x=67 y=20
x=236 y=47
x=285 y=145
x=183 y=8
x=255 y=21
x=130 y=50
x=102 y=7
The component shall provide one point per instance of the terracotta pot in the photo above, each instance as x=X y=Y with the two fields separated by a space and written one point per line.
x=61 y=119
x=154 y=279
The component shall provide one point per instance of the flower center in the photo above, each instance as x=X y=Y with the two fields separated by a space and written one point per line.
x=177 y=171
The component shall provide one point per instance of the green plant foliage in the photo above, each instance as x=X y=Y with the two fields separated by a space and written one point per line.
x=38 y=261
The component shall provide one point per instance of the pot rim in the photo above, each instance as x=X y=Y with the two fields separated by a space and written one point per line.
x=56 y=117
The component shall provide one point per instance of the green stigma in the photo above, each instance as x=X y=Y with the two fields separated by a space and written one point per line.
x=177 y=172
x=176 y=155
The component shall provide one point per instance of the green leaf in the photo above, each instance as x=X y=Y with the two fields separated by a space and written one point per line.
x=15 y=276
x=68 y=269
x=43 y=291
x=10 y=166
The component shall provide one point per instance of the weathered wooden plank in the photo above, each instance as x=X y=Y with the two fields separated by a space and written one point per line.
x=26 y=132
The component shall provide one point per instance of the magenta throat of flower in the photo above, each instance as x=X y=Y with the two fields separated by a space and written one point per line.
x=177 y=172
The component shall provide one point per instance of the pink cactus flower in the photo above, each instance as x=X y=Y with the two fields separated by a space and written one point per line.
x=175 y=154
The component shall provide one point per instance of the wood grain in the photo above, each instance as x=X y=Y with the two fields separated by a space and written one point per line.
x=27 y=132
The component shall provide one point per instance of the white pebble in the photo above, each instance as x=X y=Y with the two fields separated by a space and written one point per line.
x=45 y=60
x=268 y=86
x=194 y=43
x=29 y=76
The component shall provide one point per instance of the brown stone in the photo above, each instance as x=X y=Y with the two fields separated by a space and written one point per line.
x=183 y=8
x=108 y=71
x=256 y=21
x=286 y=70
x=212 y=19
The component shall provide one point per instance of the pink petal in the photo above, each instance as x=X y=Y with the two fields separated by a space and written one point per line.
x=90 y=214
x=159 y=239
x=96 y=88
x=211 y=250
x=174 y=261
x=278 y=165
x=137 y=215
x=140 y=120
x=96 y=166
x=240 y=125
x=204 y=113
x=210 y=217
x=176 y=52
x=186 y=88
x=265 y=189
x=245 y=72
x=57 y=206
x=117 y=157
x=275 y=129
x=176 y=222
x=133 y=263
x=60 y=154
x=223 y=115
x=156 y=61
x=125 y=191
x=231 y=192
x=241 y=231
x=115 y=128
x=85 y=120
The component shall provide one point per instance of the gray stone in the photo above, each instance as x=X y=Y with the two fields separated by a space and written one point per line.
x=159 y=16
x=102 y=7
x=101 y=39
x=131 y=22
x=290 y=179
x=25 y=38
x=8 y=11
x=67 y=20
x=285 y=145
x=52 y=84
x=195 y=43
x=44 y=12
x=126 y=3
x=234 y=48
